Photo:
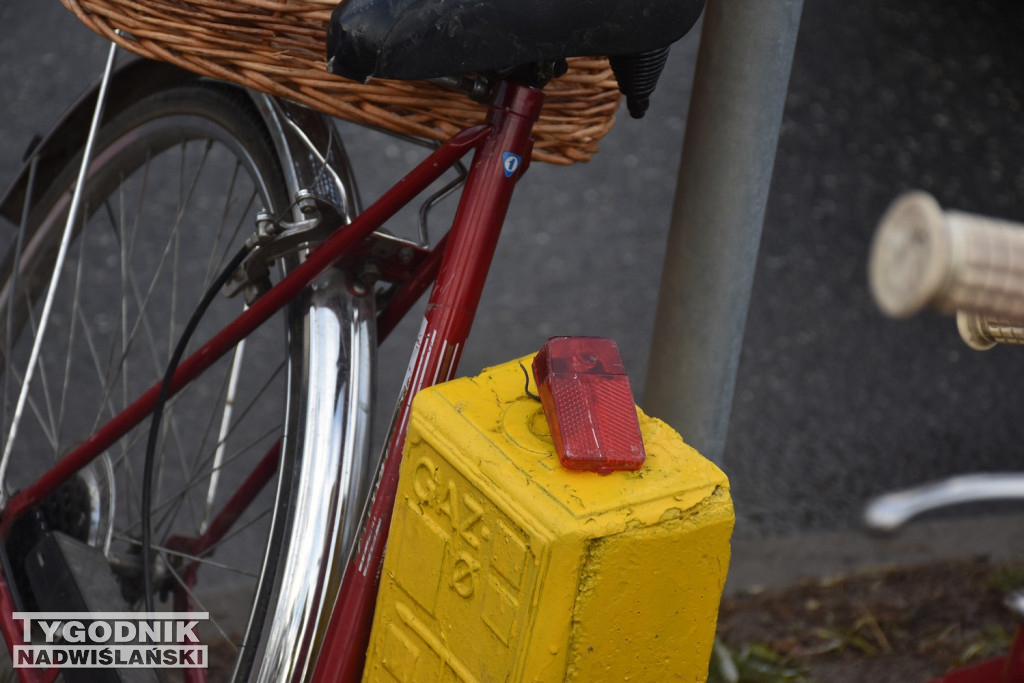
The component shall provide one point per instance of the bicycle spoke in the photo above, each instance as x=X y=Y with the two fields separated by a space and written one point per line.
x=238 y=530
x=192 y=483
x=225 y=427
x=222 y=394
x=19 y=378
x=104 y=377
x=75 y=299
x=105 y=404
x=144 y=307
x=132 y=492
x=228 y=196
x=245 y=216
x=47 y=423
x=165 y=252
x=137 y=435
x=170 y=422
x=44 y=384
x=140 y=317
x=129 y=446
x=185 y=587
x=159 y=365
x=200 y=476
x=198 y=473
x=187 y=556
x=143 y=188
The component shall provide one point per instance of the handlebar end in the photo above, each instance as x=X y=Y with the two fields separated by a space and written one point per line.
x=910 y=255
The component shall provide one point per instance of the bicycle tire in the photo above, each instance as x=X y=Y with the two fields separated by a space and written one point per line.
x=198 y=135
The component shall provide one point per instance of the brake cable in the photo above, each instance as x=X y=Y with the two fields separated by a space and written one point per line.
x=154 y=425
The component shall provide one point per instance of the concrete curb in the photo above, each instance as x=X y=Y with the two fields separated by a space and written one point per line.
x=778 y=562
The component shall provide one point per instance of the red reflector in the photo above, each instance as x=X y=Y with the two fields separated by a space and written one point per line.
x=588 y=403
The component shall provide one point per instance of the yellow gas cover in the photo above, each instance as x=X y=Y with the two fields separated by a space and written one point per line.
x=503 y=566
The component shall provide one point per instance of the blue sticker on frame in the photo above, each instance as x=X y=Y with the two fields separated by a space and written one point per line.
x=511 y=163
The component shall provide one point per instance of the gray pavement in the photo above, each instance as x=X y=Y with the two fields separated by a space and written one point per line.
x=834 y=403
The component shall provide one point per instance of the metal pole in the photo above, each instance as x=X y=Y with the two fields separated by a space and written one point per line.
x=732 y=131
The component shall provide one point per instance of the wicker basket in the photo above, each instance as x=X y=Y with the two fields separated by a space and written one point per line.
x=277 y=47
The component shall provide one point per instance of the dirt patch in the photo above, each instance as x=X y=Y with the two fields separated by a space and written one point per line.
x=904 y=625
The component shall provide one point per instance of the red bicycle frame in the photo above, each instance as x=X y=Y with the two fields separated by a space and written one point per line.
x=461 y=262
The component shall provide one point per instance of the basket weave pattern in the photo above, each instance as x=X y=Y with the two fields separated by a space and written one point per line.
x=277 y=47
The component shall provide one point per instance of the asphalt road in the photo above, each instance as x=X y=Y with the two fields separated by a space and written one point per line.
x=834 y=403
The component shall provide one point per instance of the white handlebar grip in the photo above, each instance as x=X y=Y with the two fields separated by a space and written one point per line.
x=982 y=332
x=923 y=257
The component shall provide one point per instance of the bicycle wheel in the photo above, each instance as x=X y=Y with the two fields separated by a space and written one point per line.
x=173 y=191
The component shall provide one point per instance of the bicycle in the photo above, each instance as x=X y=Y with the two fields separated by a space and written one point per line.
x=272 y=140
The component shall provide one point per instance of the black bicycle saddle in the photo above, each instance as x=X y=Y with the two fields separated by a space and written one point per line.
x=416 y=39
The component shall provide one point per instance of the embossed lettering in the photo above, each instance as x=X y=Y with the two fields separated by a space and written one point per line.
x=476 y=513
x=424 y=480
x=464 y=575
x=450 y=505
x=465 y=512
